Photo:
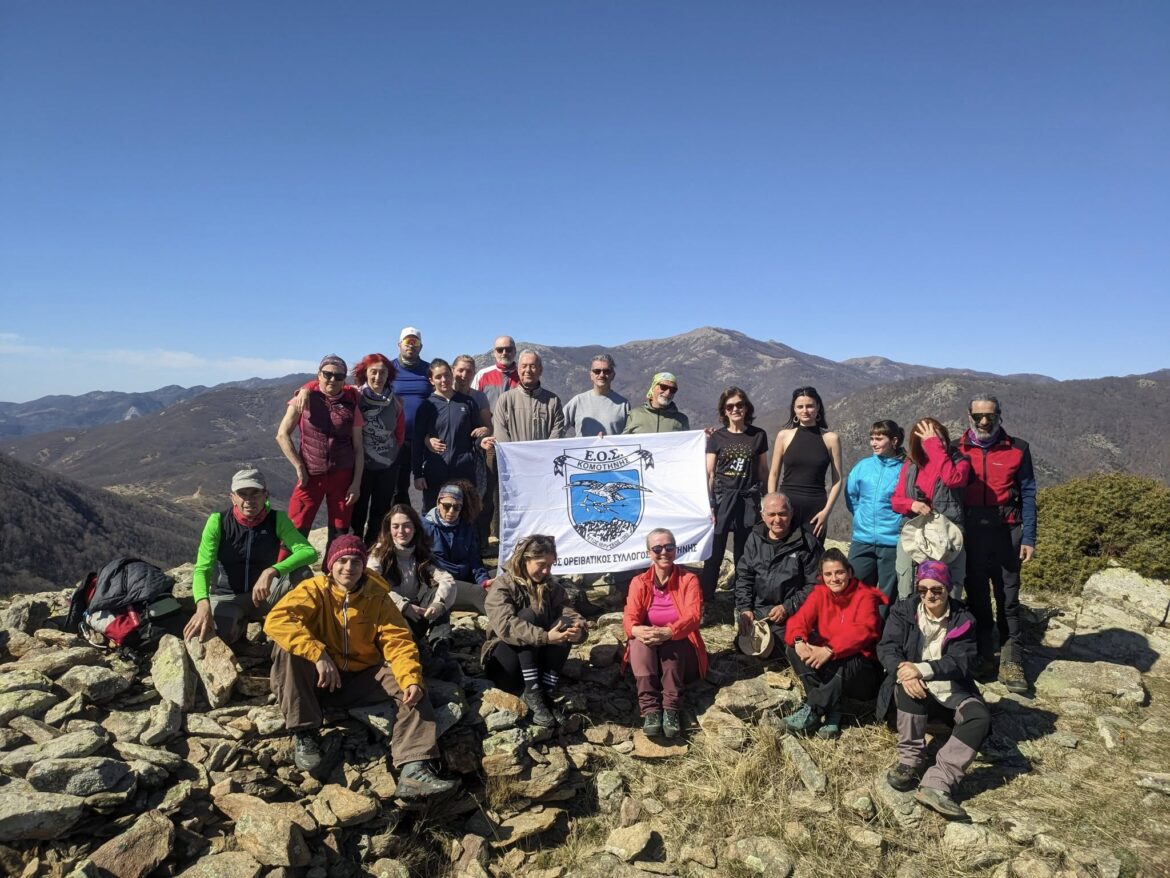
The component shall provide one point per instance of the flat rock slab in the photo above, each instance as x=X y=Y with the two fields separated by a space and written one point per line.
x=26 y=814
x=1125 y=589
x=172 y=674
x=139 y=850
x=217 y=669
x=17 y=678
x=497 y=699
x=763 y=855
x=25 y=702
x=271 y=839
x=233 y=864
x=84 y=776
x=628 y=843
x=68 y=746
x=236 y=805
x=648 y=748
x=725 y=728
x=53 y=662
x=1066 y=679
x=335 y=805
x=525 y=825
x=97 y=683
x=810 y=775
x=747 y=699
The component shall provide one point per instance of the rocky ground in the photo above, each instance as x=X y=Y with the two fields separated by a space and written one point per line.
x=178 y=765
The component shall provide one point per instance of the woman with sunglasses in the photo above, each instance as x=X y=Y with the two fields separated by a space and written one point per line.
x=531 y=627
x=832 y=641
x=929 y=652
x=933 y=479
x=330 y=460
x=450 y=526
x=664 y=608
x=737 y=469
x=805 y=450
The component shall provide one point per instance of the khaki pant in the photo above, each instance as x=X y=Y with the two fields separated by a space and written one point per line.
x=294 y=680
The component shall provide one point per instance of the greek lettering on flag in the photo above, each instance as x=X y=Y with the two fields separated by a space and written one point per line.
x=600 y=497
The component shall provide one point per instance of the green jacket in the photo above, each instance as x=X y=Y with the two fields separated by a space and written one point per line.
x=652 y=420
x=242 y=553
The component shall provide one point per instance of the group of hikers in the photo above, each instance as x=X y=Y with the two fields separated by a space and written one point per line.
x=904 y=620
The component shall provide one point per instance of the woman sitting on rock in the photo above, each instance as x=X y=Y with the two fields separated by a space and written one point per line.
x=928 y=650
x=664 y=609
x=423 y=592
x=455 y=542
x=831 y=645
x=531 y=627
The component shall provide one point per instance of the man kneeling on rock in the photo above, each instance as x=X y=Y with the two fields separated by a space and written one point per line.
x=341 y=642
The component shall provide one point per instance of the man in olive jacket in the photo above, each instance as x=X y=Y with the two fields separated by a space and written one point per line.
x=776 y=571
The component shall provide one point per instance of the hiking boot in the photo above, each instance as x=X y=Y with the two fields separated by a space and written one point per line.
x=652 y=724
x=1011 y=674
x=307 y=751
x=671 y=724
x=541 y=715
x=831 y=727
x=903 y=778
x=417 y=780
x=937 y=800
x=804 y=720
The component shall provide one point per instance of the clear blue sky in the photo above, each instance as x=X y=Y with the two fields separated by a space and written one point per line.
x=192 y=192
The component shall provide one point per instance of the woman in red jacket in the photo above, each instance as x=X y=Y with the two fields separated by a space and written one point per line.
x=664 y=608
x=832 y=641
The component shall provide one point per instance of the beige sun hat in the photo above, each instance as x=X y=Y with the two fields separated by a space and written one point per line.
x=758 y=641
x=932 y=537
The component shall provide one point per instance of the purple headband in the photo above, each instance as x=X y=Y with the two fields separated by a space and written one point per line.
x=936 y=570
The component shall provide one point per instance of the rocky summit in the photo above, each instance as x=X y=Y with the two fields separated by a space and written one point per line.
x=177 y=764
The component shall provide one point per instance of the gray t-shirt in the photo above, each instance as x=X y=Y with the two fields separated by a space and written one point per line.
x=589 y=413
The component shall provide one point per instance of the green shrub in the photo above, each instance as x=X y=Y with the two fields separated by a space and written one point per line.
x=1087 y=523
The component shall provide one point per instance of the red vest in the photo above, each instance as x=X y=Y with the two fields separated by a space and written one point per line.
x=327 y=432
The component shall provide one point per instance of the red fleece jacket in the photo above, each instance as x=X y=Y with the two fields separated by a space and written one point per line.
x=848 y=623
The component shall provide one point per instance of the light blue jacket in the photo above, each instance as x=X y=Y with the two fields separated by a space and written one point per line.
x=867 y=493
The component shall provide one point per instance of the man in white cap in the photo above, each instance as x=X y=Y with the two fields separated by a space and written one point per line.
x=237 y=577
x=411 y=386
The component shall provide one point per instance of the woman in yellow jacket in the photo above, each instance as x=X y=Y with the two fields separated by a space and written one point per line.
x=342 y=642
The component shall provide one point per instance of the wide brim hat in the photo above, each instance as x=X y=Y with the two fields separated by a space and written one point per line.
x=758 y=641
x=931 y=537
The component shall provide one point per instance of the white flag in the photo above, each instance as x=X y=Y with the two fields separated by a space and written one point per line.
x=600 y=497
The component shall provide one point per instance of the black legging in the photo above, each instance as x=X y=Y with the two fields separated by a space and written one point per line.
x=710 y=578
x=506 y=665
x=854 y=677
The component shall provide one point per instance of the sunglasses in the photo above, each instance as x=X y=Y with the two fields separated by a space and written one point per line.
x=666 y=388
x=447 y=507
x=669 y=548
x=332 y=376
x=734 y=407
x=602 y=371
x=935 y=590
x=983 y=416
x=506 y=350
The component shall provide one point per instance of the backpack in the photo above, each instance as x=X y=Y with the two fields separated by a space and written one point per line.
x=123 y=605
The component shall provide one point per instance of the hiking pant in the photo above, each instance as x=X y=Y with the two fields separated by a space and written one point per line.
x=661 y=672
x=855 y=677
x=709 y=578
x=489 y=518
x=905 y=567
x=402 y=479
x=294 y=681
x=375 y=500
x=233 y=612
x=469 y=596
x=304 y=503
x=993 y=563
x=876 y=565
x=972 y=722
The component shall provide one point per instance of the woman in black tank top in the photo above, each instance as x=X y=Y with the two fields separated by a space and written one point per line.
x=805 y=451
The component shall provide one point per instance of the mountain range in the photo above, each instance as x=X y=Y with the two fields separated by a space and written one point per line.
x=183 y=455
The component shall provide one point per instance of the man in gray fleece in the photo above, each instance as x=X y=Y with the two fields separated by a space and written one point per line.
x=599 y=411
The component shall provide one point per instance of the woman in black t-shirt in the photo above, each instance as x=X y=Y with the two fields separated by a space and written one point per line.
x=737 y=469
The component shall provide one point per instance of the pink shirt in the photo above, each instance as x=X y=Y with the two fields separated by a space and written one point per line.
x=662 y=612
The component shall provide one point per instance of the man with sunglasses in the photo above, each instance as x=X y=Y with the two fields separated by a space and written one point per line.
x=659 y=414
x=328 y=463
x=411 y=385
x=1000 y=534
x=493 y=381
x=928 y=650
x=600 y=411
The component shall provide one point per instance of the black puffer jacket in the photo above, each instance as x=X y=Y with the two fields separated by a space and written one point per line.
x=781 y=572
